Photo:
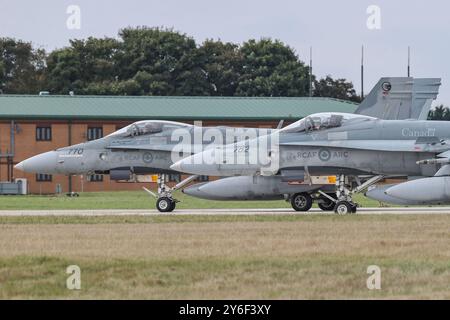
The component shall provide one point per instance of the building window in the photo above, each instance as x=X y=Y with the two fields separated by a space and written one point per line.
x=95 y=178
x=202 y=178
x=40 y=177
x=44 y=133
x=174 y=177
x=94 y=133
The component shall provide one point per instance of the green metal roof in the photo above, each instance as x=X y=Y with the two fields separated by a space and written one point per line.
x=15 y=107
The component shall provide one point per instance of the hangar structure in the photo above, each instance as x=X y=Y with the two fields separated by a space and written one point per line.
x=32 y=124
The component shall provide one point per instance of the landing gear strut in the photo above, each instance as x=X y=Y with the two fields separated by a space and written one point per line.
x=165 y=201
x=327 y=204
x=344 y=201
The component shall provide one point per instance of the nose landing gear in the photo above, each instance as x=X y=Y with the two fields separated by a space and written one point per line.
x=165 y=204
x=345 y=190
x=345 y=207
x=165 y=201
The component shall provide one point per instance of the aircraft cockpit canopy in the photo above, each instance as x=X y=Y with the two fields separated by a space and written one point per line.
x=322 y=121
x=148 y=127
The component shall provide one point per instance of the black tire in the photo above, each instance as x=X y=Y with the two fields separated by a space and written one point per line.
x=301 y=202
x=344 y=207
x=327 y=204
x=165 y=204
x=174 y=204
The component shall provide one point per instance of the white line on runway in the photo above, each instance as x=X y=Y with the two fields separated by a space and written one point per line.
x=153 y=212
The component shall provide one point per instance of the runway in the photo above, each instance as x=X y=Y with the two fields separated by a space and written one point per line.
x=154 y=212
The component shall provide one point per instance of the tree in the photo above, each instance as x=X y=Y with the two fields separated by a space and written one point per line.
x=83 y=66
x=270 y=68
x=160 y=60
x=221 y=64
x=21 y=67
x=439 y=113
x=339 y=89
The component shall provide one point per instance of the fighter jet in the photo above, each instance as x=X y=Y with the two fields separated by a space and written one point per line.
x=390 y=99
x=360 y=150
x=152 y=146
x=143 y=147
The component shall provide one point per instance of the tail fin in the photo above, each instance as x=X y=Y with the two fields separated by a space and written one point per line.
x=397 y=98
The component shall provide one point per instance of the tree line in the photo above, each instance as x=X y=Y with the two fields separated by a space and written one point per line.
x=439 y=113
x=162 y=62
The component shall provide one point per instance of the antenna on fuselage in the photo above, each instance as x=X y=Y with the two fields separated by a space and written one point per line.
x=409 y=62
x=310 y=71
x=362 y=72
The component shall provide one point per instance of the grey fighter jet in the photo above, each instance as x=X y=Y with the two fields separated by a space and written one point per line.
x=347 y=145
x=144 y=147
x=390 y=99
x=148 y=147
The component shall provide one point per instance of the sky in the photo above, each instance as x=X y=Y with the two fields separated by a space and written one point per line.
x=335 y=30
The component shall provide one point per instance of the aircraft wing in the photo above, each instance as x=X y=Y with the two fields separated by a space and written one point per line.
x=445 y=154
x=399 y=98
x=377 y=145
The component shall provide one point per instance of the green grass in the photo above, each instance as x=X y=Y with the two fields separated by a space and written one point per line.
x=155 y=219
x=225 y=257
x=45 y=277
x=134 y=200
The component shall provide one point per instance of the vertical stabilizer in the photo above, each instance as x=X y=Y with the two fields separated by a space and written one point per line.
x=397 y=98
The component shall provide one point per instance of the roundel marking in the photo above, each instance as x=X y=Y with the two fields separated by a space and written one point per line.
x=147 y=157
x=324 y=154
x=386 y=86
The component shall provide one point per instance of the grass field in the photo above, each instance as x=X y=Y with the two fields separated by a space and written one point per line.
x=135 y=200
x=222 y=257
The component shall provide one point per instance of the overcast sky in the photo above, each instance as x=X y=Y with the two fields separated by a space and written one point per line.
x=335 y=29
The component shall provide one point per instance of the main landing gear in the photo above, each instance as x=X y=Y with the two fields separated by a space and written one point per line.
x=303 y=201
x=340 y=202
x=165 y=201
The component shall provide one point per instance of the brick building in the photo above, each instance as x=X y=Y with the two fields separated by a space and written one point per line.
x=34 y=124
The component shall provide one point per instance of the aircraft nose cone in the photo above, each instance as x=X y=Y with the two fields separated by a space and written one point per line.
x=41 y=163
x=20 y=166
x=177 y=166
x=196 y=164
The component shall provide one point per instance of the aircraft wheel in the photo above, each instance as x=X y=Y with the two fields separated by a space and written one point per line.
x=174 y=204
x=344 y=207
x=165 y=204
x=327 y=204
x=301 y=202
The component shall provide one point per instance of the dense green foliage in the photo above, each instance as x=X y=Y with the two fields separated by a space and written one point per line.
x=439 y=113
x=157 y=61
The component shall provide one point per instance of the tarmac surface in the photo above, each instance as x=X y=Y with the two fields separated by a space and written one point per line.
x=152 y=212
